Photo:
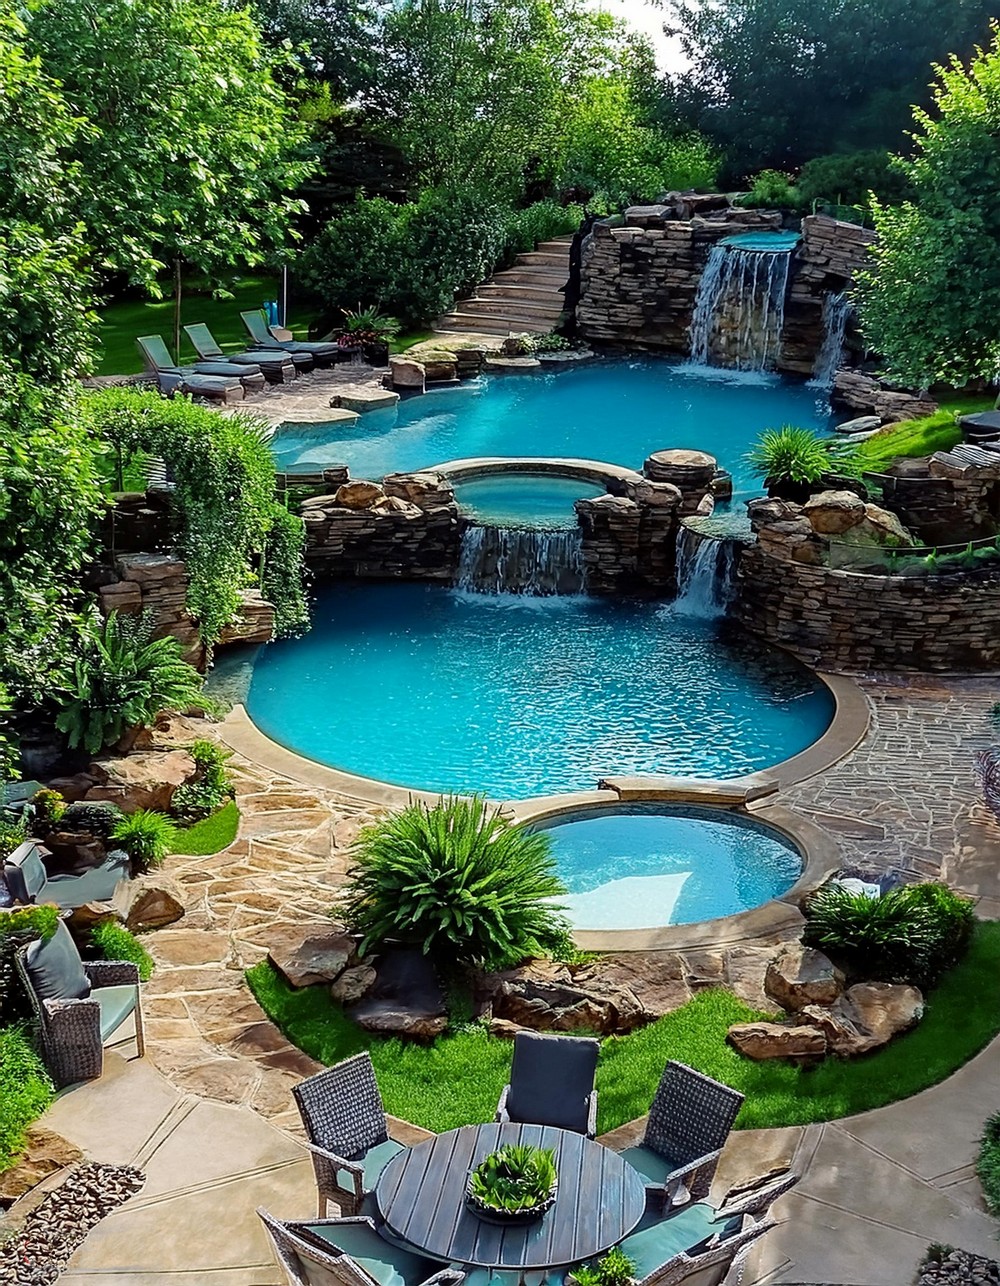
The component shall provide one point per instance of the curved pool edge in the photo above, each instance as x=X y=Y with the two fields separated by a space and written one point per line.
x=597 y=471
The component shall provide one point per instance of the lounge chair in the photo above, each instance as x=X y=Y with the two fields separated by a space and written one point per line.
x=217 y=384
x=689 y=1121
x=27 y=880
x=79 y=1005
x=157 y=358
x=348 y=1134
x=552 y=1083
x=276 y=363
x=264 y=336
x=350 y=1252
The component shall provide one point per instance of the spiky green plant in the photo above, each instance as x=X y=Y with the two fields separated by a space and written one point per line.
x=791 y=454
x=146 y=836
x=515 y=1178
x=115 y=942
x=988 y=1164
x=458 y=880
x=615 y=1268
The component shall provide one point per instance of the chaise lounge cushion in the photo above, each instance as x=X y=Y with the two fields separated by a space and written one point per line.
x=24 y=872
x=55 y=968
x=116 y=1004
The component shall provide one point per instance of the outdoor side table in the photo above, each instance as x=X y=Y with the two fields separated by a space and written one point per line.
x=421 y=1197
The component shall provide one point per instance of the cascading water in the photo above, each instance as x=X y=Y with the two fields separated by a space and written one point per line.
x=516 y=560
x=705 y=570
x=739 y=311
x=836 y=314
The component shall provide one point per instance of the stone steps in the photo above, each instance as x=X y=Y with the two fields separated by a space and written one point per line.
x=523 y=292
x=524 y=298
x=504 y=306
x=484 y=324
x=542 y=278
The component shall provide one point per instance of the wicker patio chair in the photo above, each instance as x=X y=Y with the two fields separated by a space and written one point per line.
x=689 y=1121
x=79 y=1004
x=711 y=1261
x=348 y=1135
x=349 y=1252
x=552 y=1083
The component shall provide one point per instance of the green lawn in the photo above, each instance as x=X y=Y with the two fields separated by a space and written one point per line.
x=912 y=438
x=209 y=836
x=458 y=1079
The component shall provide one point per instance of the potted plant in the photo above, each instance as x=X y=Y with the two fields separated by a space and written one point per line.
x=614 y=1269
x=792 y=461
x=515 y=1184
x=370 y=331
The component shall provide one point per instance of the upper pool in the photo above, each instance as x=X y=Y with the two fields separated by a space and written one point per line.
x=431 y=688
x=523 y=499
x=618 y=410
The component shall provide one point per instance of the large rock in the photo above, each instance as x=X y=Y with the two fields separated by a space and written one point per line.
x=860 y=424
x=144 y=780
x=880 y=527
x=833 y=512
x=406 y=999
x=421 y=489
x=309 y=954
x=149 y=902
x=46 y=1152
x=353 y=984
x=642 y=986
x=358 y=495
x=800 y=975
x=843 y=1037
x=761 y=1041
x=406 y=373
x=613 y=996
x=884 y=1009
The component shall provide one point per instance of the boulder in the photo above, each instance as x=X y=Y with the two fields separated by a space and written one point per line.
x=358 y=495
x=353 y=984
x=74 y=788
x=308 y=954
x=860 y=424
x=800 y=975
x=761 y=1041
x=149 y=902
x=406 y=373
x=421 y=489
x=144 y=780
x=406 y=999
x=642 y=986
x=882 y=528
x=548 y=996
x=843 y=1037
x=833 y=512
x=884 y=1009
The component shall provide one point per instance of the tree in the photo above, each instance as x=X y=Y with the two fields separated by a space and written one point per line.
x=776 y=82
x=338 y=38
x=930 y=304
x=191 y=145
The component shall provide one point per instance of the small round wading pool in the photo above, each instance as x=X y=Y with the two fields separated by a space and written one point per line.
x=643 y=866
x=520 y=499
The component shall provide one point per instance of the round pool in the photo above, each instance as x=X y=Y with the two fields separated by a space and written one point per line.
x=619 y=410
x=439 y=690
x=642 y=866
x=515 y=499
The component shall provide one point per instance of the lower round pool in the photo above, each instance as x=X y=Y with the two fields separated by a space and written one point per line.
x=439 y=690
x=518 y=499
x=642 y=866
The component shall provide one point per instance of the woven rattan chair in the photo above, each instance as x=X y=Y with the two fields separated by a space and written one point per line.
x=349 y=1252
x=347 y=1131
x=689 y=1121
x=552 y=1083
x=79 y=1005
x=711 y=1262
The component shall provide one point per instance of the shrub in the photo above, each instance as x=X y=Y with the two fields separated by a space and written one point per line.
x=774 y=189
x=988 y=1164
x=17 y=928
x=909 y=934
x=789 y=454
x=13 y=832
x=47 y=806
x=458 y=880
x=283 y=575
x=146 y=836
x=615 y=1268
x=849 y=178
x=26 y=1090
x=114 y=942
x=98 y=818
x=213 y=786
x=123 y=680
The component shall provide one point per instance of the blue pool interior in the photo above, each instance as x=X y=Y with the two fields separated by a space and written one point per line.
x=523 y=499
x=511 y=696
x=642 y=866
x=617 y=409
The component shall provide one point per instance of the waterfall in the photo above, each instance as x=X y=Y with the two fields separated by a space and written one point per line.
x=739 y=311
x=836 y=314
x=705 y=568
x=515 y=560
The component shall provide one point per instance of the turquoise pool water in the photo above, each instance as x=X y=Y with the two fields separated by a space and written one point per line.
x=618 y=410
x=769 y=241
x=434 y=689
x=641 y=866
x=523 y=499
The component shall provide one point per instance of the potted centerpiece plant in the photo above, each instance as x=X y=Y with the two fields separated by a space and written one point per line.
x=515 y=1184
x=370 y=331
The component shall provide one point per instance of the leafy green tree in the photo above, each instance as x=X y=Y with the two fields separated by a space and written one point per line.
x=191 y=145
x=337 y=38
x=930 y=303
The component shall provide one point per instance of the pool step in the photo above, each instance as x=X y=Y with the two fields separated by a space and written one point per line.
x=527 y=297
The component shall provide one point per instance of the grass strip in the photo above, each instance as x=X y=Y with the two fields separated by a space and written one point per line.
x=210 y=835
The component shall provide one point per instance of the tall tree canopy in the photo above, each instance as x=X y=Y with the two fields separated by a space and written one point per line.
x=776 y=82
x=930 y=304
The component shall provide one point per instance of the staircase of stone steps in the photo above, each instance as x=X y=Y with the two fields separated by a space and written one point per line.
x=524 y=298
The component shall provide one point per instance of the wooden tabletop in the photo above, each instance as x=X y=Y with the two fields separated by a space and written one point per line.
x=421 y=1197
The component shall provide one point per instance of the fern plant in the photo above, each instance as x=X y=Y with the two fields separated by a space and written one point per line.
x=123 y=679
x=790 y=454
x=458 y=880
x=146 y=836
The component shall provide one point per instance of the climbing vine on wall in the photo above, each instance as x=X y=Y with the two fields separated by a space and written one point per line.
x=224 y=502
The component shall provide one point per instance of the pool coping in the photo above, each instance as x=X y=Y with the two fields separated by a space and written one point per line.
x=598 y=471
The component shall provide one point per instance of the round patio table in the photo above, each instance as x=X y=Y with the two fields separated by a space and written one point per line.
x=421 y=1197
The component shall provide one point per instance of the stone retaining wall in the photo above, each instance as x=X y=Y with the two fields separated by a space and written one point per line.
x=639 y=282
x=847 y=621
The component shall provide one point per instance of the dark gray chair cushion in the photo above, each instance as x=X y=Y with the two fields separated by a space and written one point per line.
x=24 y=872
x=55 y=968
x=551 y=1080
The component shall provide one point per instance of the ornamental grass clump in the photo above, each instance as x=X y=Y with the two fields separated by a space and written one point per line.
x=517 y=1179
x=790 y=454
x=146 y=836
x=988 y=1164
x=458 y=880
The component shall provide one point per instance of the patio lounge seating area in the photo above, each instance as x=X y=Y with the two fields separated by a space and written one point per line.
x=28 y=881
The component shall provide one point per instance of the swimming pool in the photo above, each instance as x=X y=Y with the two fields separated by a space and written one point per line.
x=616 y=409
x=642 y=866
x=439 y=690
x=518 y=499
